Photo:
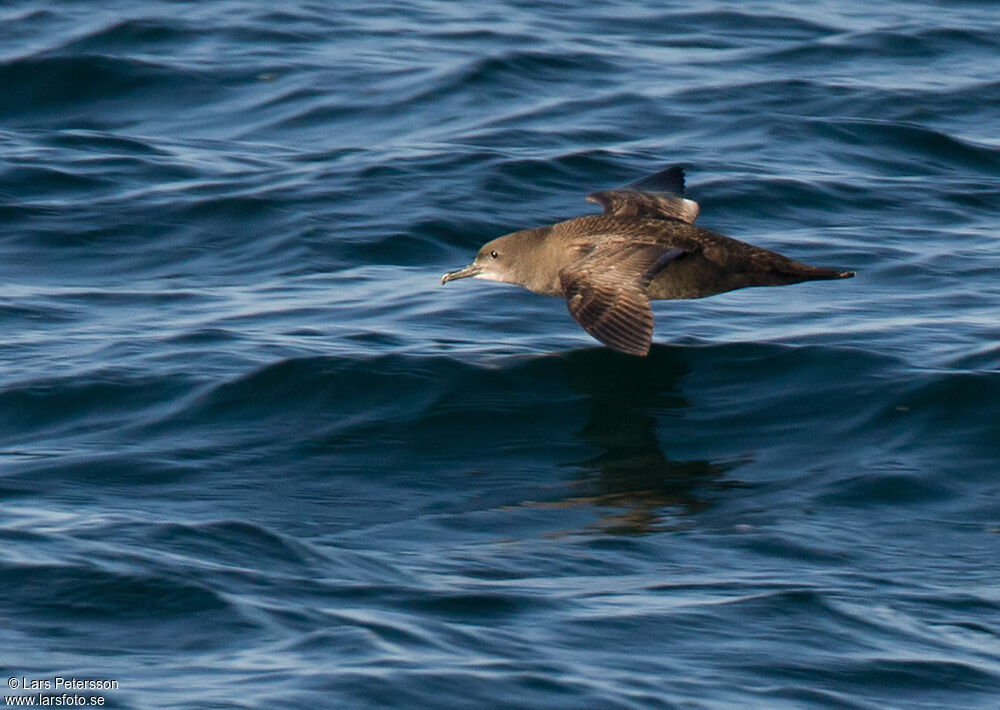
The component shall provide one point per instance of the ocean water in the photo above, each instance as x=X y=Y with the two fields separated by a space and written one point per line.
x=253 y=455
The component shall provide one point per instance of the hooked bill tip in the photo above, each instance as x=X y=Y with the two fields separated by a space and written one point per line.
x=470 y=270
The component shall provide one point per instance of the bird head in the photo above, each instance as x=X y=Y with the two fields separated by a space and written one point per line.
x=498 y=260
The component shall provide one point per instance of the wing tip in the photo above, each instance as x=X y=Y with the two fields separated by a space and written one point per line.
x=638 y=352
x=671 y=179
x=634 y=349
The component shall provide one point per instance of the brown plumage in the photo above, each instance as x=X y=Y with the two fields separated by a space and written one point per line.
x=644 y=246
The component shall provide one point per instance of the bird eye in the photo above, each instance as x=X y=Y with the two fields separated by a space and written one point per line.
x=494 y=254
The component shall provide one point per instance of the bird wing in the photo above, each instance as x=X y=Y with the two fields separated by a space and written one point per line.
x=660 y=195
x=606 y=292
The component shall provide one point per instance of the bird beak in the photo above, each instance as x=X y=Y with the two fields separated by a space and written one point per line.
x=470 y=270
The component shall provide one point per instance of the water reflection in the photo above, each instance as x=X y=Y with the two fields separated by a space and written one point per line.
x=631 y=477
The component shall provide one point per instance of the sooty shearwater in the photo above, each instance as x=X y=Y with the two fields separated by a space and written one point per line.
x=644 y=246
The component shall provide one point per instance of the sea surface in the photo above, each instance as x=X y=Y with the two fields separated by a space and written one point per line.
x=254 y=455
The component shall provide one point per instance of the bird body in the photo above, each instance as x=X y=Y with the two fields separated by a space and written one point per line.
x=644 y=246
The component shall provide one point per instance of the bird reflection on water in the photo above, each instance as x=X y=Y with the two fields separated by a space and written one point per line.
x=631 y=479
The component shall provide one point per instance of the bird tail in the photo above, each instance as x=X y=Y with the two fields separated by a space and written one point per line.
x=820 y=273
x=797 y=272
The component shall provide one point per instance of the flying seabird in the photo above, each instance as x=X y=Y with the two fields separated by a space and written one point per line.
x=644 y=246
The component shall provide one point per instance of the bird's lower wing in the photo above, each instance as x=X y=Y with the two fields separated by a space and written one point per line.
x=606 y=292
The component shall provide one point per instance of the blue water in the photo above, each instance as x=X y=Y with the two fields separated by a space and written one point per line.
x=253 y=455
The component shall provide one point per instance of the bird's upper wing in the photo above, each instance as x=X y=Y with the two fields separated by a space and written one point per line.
x=660 y=195
x=606 y=292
